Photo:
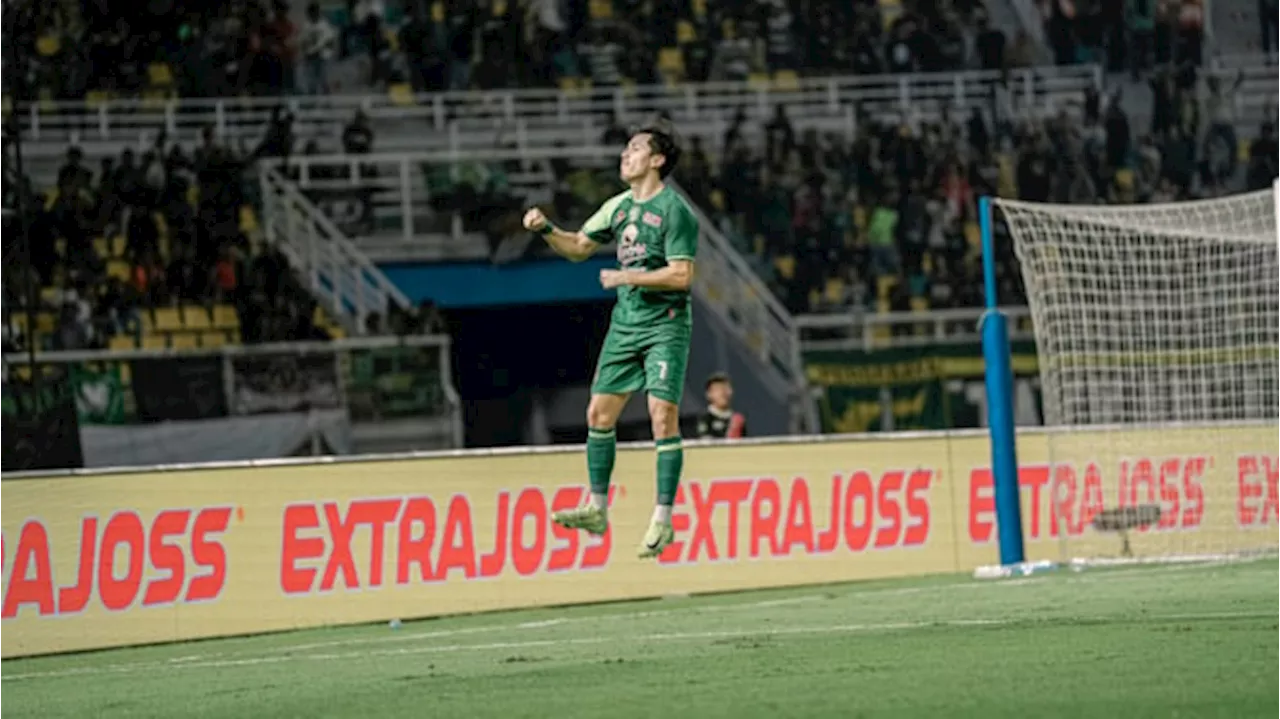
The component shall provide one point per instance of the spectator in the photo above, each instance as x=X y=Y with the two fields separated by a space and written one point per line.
x=720 y=421
x=1268 y=13
x=1263 y=150
x=318 y=42
x=989 y=44
x=426 y=67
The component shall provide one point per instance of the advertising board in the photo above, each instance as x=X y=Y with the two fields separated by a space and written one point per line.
x=117 y=559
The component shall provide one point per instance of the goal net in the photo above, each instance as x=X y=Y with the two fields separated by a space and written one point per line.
x=1156 y=331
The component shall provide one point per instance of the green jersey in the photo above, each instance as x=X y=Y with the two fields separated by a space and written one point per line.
x=649 y=234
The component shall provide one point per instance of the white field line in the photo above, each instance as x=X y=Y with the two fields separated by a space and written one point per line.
x=754 y=632
x=268 y=654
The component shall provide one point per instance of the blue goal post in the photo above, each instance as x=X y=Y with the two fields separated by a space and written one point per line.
x=997 y=359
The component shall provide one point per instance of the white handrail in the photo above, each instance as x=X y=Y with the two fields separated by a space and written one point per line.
x=485 y=112
x=863 y=331
x=338 y=273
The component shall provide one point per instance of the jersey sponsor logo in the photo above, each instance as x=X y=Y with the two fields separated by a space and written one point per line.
x=635 y=213
x=652 y=220
x=629 y=250
x=618 y=217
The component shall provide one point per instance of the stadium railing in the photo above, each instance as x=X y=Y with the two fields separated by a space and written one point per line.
x=539 y=117
x=871 y=330
x=342 y=278
x=398 y=392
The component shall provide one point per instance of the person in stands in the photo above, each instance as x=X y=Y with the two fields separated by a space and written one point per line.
x=720 y=421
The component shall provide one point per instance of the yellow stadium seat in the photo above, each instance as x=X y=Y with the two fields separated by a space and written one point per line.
x=1242 y=150
x=885 y=285
x=758 y=81
x=393 y=40
x=225 y=318
x=195 y=318
x=919 y=304
x=118 y=269
x=973 y=235
x=50 y=296
x=213 y=338
x=757 y=244
x=167 y=319
x=499 y=8
x=122 y=342
x=155 y=342
x=600 y=9
x=118 y=245
x=96 y=98
x=786 y=81
x=155 y=100
x=60 y=245
x=183 y=340
x=700 y=9
x=717 y=199
x=159 y=74
x=437 y=12
x=46 y=322
x=834 y=290
x=786 y=266
x=685 y=33
x=101 y=248
x=671 y=59
x=401 y=94
x=248 y=220
x=126 y=369
x=48 y=45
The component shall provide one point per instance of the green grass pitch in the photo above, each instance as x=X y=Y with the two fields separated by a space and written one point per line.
x=1174 y=641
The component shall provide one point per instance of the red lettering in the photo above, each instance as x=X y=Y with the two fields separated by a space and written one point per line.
x=209 y=554
x=411 y=550
x=32 y=552
x=917 y=508
x=167 y=557
x=297 y=517
x=123 y=529
x=563 y=558
x=704 y=511
x=340 y=559
x=888 y=509
x=799 y=529
x=377 y=513
x=856 y=536
x=1169 y=478
x=733 y=492
x=530 y=505
x=680 y=523
x=1246 y=468
x=491 y=564
x=828 y=539
x=459 y=550
x=982 y=505
x=1141 y=474
x=1271 y=467
x=1062 y=502
x=1034 y=478
x=75 y=599
x=765 y=526
x=1193 y=491
x=1091 y=504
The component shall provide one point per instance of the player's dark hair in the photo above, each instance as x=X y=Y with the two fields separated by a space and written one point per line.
x=663 y=140
x=716 y=378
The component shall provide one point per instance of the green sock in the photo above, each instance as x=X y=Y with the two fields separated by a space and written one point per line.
x=602 y=448
x=670 y=462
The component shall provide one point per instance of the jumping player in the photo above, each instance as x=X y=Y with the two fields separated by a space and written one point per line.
x=647 y=346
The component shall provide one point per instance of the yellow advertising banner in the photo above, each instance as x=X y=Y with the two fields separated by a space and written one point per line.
x=119 y=559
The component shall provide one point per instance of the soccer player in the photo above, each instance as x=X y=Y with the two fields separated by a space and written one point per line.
x=647 y=346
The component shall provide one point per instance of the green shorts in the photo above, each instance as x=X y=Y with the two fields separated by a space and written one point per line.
x=654 y=359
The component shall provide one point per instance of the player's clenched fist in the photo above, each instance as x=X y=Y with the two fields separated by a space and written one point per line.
x=534 y=220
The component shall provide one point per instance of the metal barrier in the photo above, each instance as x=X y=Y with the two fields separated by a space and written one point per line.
x=539 y=117
x=341 y=277
x=377 y=380
x=866 y=331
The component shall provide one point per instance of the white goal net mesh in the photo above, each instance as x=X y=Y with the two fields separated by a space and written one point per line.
x=1156 y=331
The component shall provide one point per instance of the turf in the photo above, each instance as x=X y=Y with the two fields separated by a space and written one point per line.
x=1190 y=641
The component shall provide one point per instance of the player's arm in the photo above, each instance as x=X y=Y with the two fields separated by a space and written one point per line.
x=576 y=246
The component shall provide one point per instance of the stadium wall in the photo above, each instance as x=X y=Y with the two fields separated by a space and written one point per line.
x=95 y=560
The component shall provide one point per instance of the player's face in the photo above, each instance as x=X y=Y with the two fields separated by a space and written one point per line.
x=637 y=158
x=720 y=395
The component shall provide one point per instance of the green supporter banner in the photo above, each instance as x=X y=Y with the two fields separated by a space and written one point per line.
x=938 y=386
x=99 y=392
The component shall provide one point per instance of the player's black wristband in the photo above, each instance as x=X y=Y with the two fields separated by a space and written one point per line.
x=547 y=229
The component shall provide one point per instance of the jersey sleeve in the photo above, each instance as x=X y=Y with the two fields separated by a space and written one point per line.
x=682 y=235
x=599 y=227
